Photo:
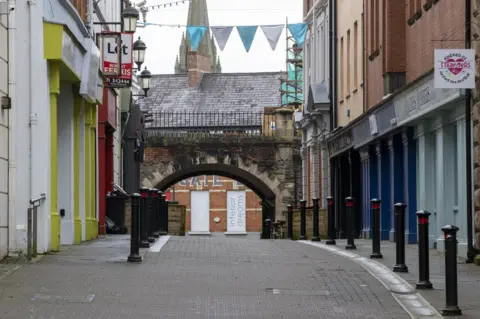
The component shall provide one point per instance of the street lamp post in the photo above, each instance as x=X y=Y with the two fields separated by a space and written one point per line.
x=139 y=48
x=145 y=77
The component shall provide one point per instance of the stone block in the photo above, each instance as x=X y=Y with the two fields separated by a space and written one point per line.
x=322 y=223
x=477 y=199
x=476 y=112
x=477 y=177
x=176 y=219
x=476 y=221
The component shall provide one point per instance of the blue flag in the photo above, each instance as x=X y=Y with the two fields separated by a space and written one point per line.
x=195 y=35
x=247 y=34
x=298 y=31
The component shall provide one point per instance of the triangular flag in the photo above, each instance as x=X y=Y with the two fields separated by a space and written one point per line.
x=195 y=35
x=298 y=31
x=221 y=34
x=247 y=34
x=273 y=33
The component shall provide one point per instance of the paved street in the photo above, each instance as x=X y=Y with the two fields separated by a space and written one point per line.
x=196 y=277
x=468 y=274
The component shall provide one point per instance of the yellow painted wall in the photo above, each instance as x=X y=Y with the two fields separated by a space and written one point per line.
x=54 y=81
x=350 y=87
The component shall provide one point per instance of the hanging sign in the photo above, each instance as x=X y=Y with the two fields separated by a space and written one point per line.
x=454 y=69
x=236 y=215
x=117 y=60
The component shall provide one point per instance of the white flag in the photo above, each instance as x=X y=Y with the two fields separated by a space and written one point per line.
x=222 y=34
x=273 y=33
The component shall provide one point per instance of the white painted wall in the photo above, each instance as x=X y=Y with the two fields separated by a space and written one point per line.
x=65 y=162
x=4 y=213
x=82 y=170
x=30 y=104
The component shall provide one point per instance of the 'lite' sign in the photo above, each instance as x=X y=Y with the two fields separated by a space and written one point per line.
x=118 y=59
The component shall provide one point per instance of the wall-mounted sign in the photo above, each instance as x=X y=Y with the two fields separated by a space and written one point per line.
x=454 y=68
x=91 y=66
x=236 y=215
x=117 y=60
x=72 y=54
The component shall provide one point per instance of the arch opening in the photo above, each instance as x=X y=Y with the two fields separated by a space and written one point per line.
x=246 y=178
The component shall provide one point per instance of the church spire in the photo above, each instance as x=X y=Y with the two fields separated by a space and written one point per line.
x=198 y=16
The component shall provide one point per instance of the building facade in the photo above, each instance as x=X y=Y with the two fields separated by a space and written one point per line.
x=476 y=127
x=315 y=117
x=233 y=208
x=54 y=135
x=5 y=96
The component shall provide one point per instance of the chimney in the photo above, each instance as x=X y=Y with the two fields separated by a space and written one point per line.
x=197 y=65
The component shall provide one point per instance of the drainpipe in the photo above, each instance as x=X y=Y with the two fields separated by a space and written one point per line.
x=12 y=118
x=471 y=251
x=89 y=17
x=331 y=86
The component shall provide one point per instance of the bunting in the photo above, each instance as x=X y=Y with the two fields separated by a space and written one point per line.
x=247 y=33
x=195 y=34
x=221 y=34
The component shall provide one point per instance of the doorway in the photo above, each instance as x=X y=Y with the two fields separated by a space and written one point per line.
x=200 y=213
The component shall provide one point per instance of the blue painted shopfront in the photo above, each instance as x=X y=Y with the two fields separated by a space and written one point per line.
x=388 y=157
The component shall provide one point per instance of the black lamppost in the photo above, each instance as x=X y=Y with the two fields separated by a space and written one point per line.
x=130 y=17
x=145 y=77
x=139 y=48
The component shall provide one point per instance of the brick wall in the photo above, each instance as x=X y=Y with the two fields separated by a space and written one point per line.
x=218 y=187
x=444 y=21
x=197 y=64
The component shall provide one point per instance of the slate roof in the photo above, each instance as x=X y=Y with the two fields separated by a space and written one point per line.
x=241 y=93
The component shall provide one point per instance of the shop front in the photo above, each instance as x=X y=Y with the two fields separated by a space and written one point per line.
x=73 y=74
x=437 y=118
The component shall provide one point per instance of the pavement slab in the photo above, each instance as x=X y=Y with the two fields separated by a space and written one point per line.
x=196 y=277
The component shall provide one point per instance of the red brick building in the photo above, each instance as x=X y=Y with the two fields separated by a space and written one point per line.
x=218 y=189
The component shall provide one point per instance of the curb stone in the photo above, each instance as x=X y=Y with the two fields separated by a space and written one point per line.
x=410 y=300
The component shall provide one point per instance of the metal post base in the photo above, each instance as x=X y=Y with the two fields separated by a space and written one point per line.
x=424 y=285
x=400 y=268
x=330 y=242
x=135 y=258
x=376 y=256
x=451 y=311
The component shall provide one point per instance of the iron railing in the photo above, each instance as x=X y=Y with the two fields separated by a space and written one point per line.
x=160 y=123
x=32 y=226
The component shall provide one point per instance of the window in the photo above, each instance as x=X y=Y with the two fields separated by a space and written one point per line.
x=342 y=68
x=347 y=62
x=355 y=55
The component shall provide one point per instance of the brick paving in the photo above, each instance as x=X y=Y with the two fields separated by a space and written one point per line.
x=468 y=275
x=196 y=277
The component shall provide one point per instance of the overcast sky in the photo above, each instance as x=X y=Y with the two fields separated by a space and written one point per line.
x=163 y=42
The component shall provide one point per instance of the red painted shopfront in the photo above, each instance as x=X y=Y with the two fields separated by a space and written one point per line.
x=107 y=125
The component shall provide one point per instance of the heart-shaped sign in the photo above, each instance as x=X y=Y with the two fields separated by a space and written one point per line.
x=455 y=66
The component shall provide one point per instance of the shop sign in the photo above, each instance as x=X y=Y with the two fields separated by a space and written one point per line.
x=454 y=69
x=72 y=54
x=236 y=215
x=90 y=69
x=421 y=99
x=117 y=60
x=340 y=143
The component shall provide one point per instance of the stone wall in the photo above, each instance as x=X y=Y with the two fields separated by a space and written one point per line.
x=176 y=219
x=322 y=224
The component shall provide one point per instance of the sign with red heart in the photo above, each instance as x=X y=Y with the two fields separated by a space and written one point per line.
x=455 y=68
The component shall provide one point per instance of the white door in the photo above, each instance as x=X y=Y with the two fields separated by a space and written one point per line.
x=200 y=212
x=236 y=214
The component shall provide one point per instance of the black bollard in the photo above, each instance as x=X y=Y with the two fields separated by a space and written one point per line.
x=423 y=252
x=161 y=214
x=303 y=219
x=316 y=234
x=143 y=218
x=350 y=203
x=154 y=216
x=376 y=229
x=400 y=238
x=451 y=284
x=135 y=230
x=166 y=213
x=150 y=199
x=331 y=221
x=290 y=221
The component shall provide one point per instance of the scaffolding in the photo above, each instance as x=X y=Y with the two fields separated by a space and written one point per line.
x=292 y=82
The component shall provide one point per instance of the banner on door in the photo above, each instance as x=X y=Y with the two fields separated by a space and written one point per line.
x=236 y=217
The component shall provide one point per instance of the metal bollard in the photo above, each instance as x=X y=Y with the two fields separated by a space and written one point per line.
x=350 y=203
x=143 y=218
x=290 y=221
x=316 y=235
x=400 y=236
x=331 y=221
x=451 y=284
x=135 y=231
x=423 y=253
x=166 y=213
x=376 y=229
x=161 y=214
x=150 y=199
x=303 y=219
x=154 y=216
